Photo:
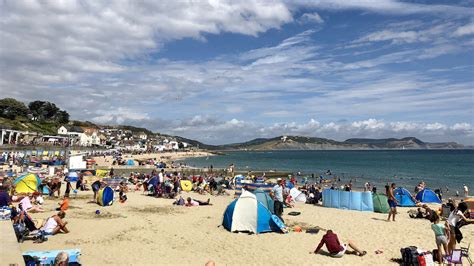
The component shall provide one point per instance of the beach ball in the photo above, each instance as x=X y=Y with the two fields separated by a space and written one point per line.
x=75 y=191
x=97 y=212
x=297 y=228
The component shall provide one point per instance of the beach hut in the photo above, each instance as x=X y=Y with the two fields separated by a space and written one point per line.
x=247 y=214
x=265 y=199
x=348 y=200
x=380 y=203
x=404 y=198
x=297 y=195
x=427 y=196
x=27 y=183
x=105 y=196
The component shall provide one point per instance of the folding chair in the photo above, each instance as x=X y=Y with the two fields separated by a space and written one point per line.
x=465 y=253
x=455 y=258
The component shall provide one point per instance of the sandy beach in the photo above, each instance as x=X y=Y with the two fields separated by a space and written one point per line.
x=147 y=230
x=166 y=157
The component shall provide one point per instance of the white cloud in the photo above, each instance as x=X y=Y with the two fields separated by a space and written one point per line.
x=467 y=29
x=310 y=18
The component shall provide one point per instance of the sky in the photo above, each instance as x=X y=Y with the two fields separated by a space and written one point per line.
x=230 y=71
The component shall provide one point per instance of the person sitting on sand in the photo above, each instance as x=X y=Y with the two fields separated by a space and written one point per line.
x=194 y=202
x=335 y=248
x=289 y=201
x=28 y=206
x=63 y=205
x=122 y=190
x=55 y=224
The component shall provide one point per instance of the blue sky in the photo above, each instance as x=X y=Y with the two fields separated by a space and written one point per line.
x=226 y=71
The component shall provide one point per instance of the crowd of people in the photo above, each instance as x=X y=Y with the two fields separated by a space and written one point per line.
x=159 y=183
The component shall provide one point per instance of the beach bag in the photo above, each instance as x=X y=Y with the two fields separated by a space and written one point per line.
x=425 y=259
x=435 y=255
x=409 y=256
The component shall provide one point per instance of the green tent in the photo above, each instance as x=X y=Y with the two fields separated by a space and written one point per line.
x=380 y=203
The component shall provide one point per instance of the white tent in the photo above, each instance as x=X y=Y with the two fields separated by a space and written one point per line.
x=247 y=214
x=297 y=195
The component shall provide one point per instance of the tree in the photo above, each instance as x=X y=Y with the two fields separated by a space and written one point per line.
x=11 y=108
x=36 y=109
x=62 y=117
x=42 y=110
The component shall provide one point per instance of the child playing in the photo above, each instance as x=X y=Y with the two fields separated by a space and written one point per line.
x=289 y=201
x=441 y=232
x=64 y=205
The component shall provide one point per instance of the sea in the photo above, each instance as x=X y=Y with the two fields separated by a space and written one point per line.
x=449 y=170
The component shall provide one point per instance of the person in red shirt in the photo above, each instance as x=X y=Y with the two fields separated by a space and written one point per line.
x=334 y=246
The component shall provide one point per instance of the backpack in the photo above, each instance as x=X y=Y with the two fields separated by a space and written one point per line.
x=409 y=256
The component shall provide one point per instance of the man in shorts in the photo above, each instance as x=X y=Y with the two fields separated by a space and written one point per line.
x=392 y=202
x=335 y=248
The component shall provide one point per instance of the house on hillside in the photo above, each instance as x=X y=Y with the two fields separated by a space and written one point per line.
x=142 y=135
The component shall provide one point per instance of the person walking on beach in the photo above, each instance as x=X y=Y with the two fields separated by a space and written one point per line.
x=277 y=194
x=392 y=202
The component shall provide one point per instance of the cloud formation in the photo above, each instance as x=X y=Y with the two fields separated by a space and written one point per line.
x=107 y=62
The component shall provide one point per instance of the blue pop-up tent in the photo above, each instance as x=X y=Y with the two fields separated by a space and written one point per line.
x=427 y=196
x=404 y=198
x=247 y=214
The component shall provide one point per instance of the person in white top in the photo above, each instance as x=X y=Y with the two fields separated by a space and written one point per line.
x=55 y=224
x=453 y=219
x=466 y=191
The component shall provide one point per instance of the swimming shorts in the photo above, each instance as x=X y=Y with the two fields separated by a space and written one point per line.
x=392 y=203
x=441 y=239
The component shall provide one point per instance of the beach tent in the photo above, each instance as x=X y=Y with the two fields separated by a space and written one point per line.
x=348 y=200
x=186 y=185
x=249 y=186
x=427 y=196
x=265 y=199
x=297 y=195
x=404 y=198
x=27 y=183
x=247 y=214
x=130 y=162
x=102 y=173
x=105 y=196
x=380 y=203
x=289 y=184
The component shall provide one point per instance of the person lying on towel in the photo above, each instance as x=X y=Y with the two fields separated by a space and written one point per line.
x=194 y=202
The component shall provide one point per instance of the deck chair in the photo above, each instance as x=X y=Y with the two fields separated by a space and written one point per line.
x=465 y=253
x=455 y=258
x=445 y=211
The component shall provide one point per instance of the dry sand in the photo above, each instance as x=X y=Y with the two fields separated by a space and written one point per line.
x=148 y=230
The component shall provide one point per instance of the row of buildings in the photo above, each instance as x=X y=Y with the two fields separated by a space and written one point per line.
x=116 y=138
